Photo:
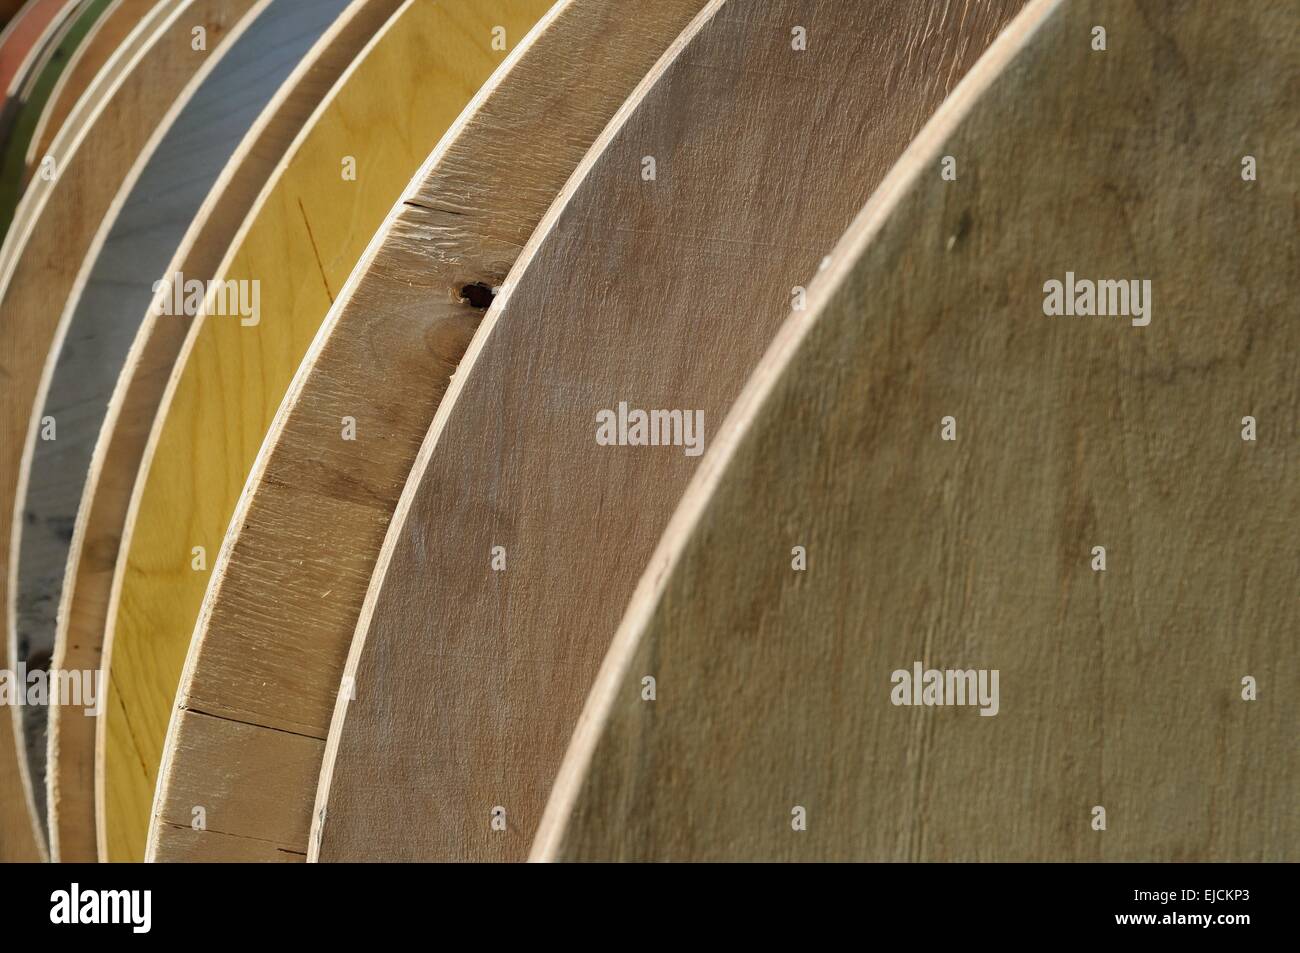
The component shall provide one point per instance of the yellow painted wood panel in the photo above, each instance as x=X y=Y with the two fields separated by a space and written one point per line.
x=277 y=620
x=470 y=664
x=40 y=261
x=83 y=608
x=300 y=245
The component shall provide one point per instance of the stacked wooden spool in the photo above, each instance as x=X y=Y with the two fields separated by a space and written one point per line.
x=707 y=429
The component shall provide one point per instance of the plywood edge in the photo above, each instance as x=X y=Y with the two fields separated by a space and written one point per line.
x=16 y=243
x=101 y=516
x=102 y=41
x=193 y=334
x=320 y=811
x=920 y=156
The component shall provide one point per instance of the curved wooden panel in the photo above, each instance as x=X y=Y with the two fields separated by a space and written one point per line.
x=82 y=614
x=7 y=10
x=776 y=688
x=43 y=262
x=261 y=716
x=85 y=109
x=300 y=245
x=130 y=253
x=21 y=42
x=108 y=34
x=32 y=99
x=52 y=16
x=469 y=679
x=72 y=388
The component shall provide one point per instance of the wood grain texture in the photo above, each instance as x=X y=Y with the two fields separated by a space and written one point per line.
x=32 y=100
x=21 y=42
x=51 y=16
x=84 y=110
x=135 y=242
x=83 y=609
x=277 y=620
x=110 y=31
x=47 y=251
x=1118 y=688
x=300 y=244
x=663 y=293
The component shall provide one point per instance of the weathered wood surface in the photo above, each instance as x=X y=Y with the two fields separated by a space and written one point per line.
x=109 y=34
x=278 y=619
x=311 y=225
x=1120 y=688
x=41 y=179
x=25 y=54
x=82 y=614
x=172 y=176
x=33 y=100
x=39 y=266
x=660 y=292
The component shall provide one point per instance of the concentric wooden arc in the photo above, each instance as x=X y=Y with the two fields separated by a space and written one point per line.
x=41 y=267
x=260 y=716
x=168 y=181
x=109 y=33
x=113 y=291
x=86 y=108
x=22 y=39
x=25 y=53
x=1119 y=689
x=102 y=513
x=659 y=291
x=33 y=98
x=299 y=244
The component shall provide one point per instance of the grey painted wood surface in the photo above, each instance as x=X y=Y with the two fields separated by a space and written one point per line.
x=115 y=297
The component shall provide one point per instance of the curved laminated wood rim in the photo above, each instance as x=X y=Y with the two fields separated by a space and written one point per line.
x=82 y=112
x=172 y=175
x=1120 y=689
x=32 y=99
x=36 y=656
x=47 y=47
x=42 y=24
x=82 y=615
x=497 y=590
x=40 y=266
x=461 y=224
x=109 y=32
x=311 y=226
x=23 y=40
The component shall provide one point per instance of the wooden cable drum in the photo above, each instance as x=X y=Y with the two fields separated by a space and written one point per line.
x=109 y=32
x=263 y=672
x=120 y=447
x=297 y=248
x=656 y=280
x=129 y=255
x=985 y=479
x=33 y=100
x=40 y=267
